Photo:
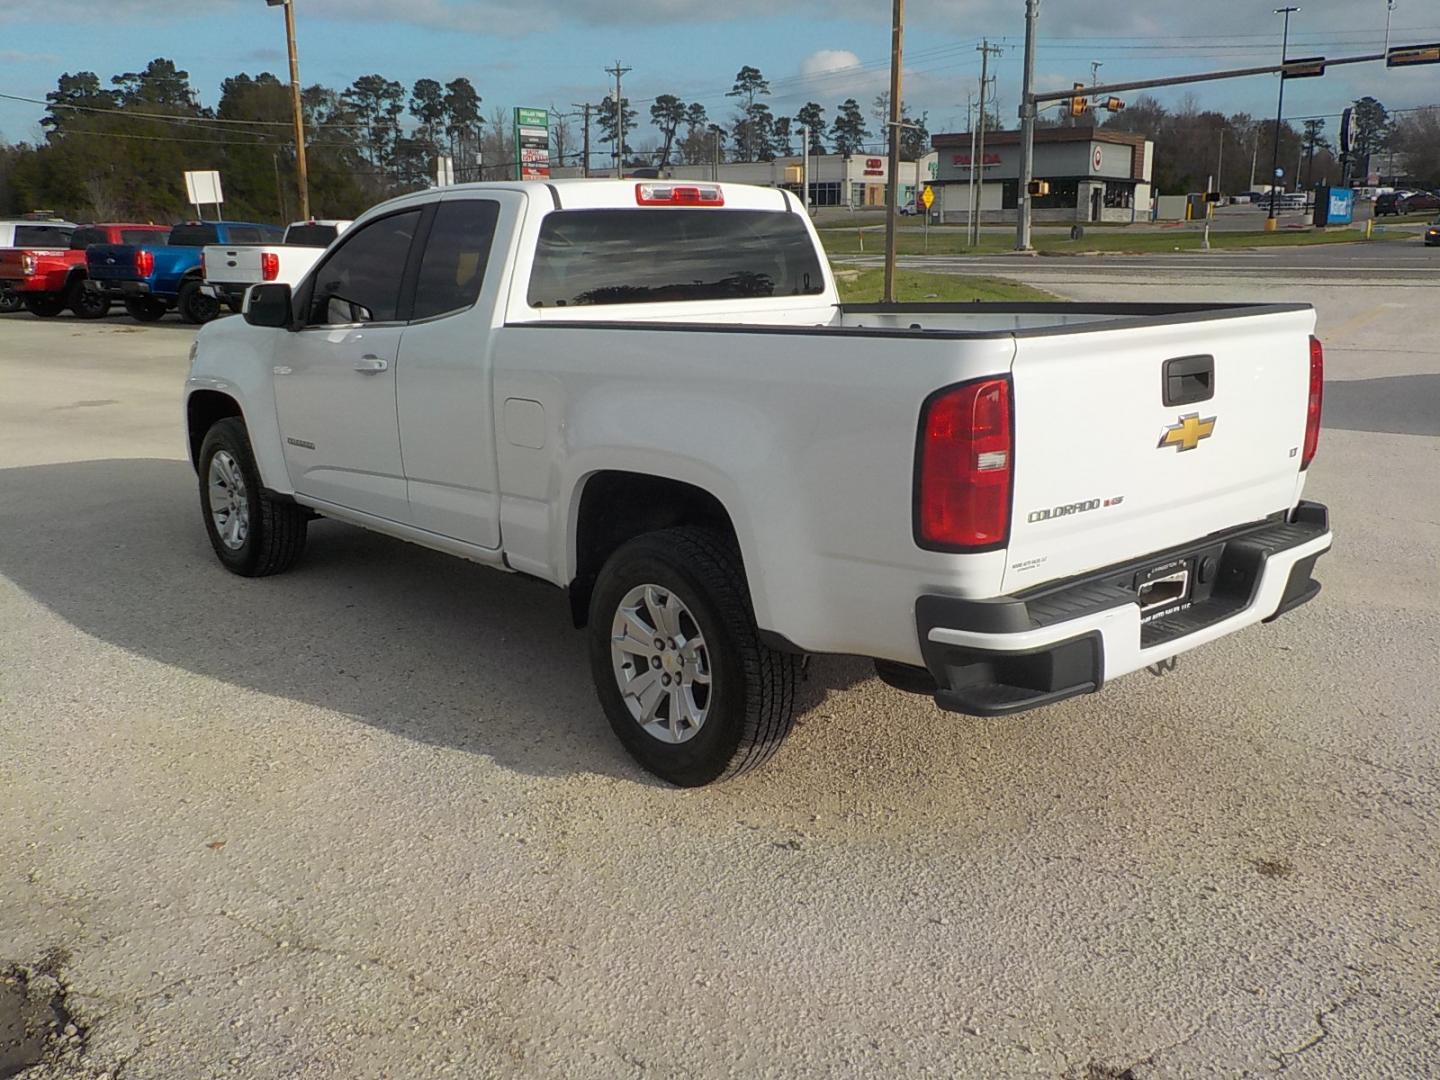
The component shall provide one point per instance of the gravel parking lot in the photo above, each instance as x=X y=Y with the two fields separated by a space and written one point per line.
x=366 y=819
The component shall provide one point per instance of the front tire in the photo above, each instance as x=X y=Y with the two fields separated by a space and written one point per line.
x=196 y=306
x=253 y=534
x=9 y=301
x=87 y=303
x=684 y=679
x=45 y=305
x=145 y=309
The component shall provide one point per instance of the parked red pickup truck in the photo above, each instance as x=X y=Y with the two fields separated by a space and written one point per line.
x=48 y=280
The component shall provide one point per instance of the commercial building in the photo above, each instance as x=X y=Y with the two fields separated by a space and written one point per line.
x=1094 y=175
x=858 y=180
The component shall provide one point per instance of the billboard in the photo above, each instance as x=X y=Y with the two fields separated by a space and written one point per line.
x=203 y=187
x=532 y=144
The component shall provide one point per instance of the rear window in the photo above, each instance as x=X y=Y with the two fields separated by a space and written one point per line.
x=80 y=239
x=592 y=257
x=141 y=237
x=310 y=235
x=43 y=235
x=193 y=236
x=245 y=234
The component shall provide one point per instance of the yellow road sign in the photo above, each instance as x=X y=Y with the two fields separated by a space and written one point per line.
x=928 y=196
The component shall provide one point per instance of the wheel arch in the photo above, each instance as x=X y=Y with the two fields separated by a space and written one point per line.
x=203 y=408
x=613 y=506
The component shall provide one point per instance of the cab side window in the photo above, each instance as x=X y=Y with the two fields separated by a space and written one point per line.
x=453 y=266
x=360 y=282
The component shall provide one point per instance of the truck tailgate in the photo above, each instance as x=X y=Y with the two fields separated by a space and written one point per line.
x=111 y=262
x=1106 y=470
x=233 y=265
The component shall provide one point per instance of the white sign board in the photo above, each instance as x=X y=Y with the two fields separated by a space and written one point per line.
x=204 y=188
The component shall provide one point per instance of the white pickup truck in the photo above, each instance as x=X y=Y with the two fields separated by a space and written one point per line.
x=649 y=395
x=230 y=269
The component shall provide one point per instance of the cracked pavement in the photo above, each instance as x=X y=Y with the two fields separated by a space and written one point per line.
x=366 y=820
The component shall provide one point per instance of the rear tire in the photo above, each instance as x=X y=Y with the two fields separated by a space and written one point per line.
x=196 y=306
x=87 y=303
x=145 y=309
x=734 y=718
x=253 y=534
x=45 y=305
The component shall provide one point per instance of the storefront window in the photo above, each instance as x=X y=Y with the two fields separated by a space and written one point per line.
x=1064 y=195
x=1119 y=196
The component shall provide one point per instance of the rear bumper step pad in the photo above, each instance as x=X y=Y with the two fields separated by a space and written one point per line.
x=1010 y=654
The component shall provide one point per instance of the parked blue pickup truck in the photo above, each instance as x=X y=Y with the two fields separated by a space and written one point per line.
x=152 y=279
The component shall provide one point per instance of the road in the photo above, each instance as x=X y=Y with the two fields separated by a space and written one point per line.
x=366 y=820
x=1351 y=266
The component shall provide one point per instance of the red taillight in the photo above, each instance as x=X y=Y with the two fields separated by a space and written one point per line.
x=679 y=195
x=269 y=265
x=964 y=466
x=203 y=272
x=27 y=263
x=1317 y=397
x=144 y=262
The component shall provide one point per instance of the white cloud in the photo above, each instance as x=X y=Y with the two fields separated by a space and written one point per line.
x=827 y=60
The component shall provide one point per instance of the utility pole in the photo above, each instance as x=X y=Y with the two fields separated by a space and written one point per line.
x=1027 y=131
x=1220 y=161
x=302 y=172
x=584 y=108
x=970 y=201
x=618 y=71
x=977 y=160
x=892 y=188
x=1279 y=116
x=1389 y=10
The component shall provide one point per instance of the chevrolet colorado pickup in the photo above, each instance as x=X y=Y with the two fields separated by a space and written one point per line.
x=48 y=279
x=648 y=394
x=151 y=279
x=229 y=270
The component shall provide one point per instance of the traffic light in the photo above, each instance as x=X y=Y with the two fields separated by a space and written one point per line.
x=1078 y=103
x=1114 y=104
x=1039 y=187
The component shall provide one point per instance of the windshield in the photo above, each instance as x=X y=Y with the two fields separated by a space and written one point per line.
x=592 y=257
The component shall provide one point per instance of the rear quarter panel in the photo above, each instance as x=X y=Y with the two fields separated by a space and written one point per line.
x=807 y=439
x=172 y=264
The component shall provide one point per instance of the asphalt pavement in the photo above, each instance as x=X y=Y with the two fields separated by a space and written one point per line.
x=366 y=820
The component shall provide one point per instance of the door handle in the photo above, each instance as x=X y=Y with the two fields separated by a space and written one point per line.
x=370 y=364
x=1187 y=380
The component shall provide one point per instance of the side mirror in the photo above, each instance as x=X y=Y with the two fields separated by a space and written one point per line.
x=269 y=305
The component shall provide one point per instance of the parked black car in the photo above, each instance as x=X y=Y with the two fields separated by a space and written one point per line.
x=1432 y=234
x=1389 y=203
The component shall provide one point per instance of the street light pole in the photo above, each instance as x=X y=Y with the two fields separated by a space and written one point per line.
x=1389 y=10
x=1027 y=131
x=1279 y=116
x=302 y=172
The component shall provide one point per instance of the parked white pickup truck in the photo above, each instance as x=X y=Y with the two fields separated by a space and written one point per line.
x=649 y=395
x=231 y=269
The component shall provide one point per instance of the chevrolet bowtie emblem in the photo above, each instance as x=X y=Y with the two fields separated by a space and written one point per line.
x=1186 y=435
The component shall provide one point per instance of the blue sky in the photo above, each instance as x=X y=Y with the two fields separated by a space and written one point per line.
x=553 y=51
